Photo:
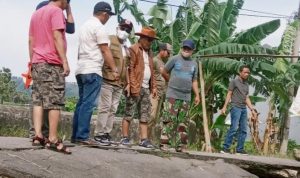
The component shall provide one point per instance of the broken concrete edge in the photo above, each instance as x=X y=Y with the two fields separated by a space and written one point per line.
x=244 y=164
x=22 y=149
x=11 y=172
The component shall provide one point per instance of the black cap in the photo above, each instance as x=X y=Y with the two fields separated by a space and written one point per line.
x=127 y=24
x=103 y=7
x=41 y=4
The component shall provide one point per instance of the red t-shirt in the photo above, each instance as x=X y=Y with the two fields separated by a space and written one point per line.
x=43 y=22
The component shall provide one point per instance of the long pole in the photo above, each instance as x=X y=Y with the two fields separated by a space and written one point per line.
x=205 y=120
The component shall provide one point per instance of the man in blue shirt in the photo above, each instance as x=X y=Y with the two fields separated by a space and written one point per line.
x=183 y=73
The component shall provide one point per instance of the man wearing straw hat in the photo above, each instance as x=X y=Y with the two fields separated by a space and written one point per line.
x=141 y=84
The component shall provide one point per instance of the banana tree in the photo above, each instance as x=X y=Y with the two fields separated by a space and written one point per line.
x=212 y=28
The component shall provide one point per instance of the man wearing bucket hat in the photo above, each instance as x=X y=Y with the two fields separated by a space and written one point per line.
x=92 y=52
x=141 y=84
x=183 y=78
x=111 y=90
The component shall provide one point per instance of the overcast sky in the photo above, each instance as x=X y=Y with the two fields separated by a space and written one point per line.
x=15 y=16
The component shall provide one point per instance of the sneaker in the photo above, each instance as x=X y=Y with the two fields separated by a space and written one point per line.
x=146 y=144
x=243 y=152
x=89 y=142
x=224 y=151
x=102 y=140
x=125 y=141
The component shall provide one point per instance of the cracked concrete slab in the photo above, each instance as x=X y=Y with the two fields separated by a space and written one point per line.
x=94 y=162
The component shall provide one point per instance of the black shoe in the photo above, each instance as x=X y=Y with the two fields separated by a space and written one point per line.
x=243 y=152
x=224 y=151
x=102 y=140
x=146 y=144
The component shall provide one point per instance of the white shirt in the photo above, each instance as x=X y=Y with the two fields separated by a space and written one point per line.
x=90 y=59
x=147 y=71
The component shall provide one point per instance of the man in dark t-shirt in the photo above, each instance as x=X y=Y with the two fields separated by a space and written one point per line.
x=238 y=93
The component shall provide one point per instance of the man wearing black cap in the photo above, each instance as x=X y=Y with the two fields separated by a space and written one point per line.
x=111 y=89
x=183 y=78
x=93 y=51
x=70 y=28
x=159 y=61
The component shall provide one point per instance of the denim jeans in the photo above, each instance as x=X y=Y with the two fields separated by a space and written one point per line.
x=238 y=125
x=89 y=88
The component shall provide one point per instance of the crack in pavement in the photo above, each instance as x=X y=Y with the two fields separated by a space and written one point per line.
x=28 y=161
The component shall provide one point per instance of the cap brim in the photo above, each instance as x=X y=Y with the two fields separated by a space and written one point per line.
x=111 y=13
x=141 y=34
x=187 y=46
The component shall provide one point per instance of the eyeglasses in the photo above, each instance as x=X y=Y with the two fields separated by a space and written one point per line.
x=125 y=29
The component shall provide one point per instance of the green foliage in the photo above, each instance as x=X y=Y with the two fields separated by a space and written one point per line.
x=256 y=34
x=70 y=104
x=291 y=146
x=7 y=86
x=212 y=28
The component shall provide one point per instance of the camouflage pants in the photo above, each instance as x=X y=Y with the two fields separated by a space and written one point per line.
x=141 y=103
x=174 y=119
x=48 y=89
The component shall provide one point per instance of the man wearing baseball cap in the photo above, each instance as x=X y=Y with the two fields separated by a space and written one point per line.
x=165 y=50
x=183 y=78
x=70 y=26
x=141 y=84
x=92 y=52
x=111 y=89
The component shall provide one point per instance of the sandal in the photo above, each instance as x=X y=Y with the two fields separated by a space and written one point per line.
x=41 y=141
x=53 y=146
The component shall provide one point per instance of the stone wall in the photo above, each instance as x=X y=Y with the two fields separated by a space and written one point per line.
x=19 y=117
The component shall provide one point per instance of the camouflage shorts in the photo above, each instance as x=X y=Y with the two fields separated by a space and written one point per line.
x=142 y=103
x=175 y=110
x=48 y=89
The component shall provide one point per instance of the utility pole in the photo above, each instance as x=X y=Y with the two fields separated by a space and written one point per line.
x=287 y=120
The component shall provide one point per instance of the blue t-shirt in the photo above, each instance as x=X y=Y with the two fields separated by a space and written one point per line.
x=183 y=72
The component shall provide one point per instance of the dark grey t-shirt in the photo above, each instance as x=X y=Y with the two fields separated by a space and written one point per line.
x=240 y=90
x=183 y=72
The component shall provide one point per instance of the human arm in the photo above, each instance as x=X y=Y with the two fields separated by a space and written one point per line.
x=131 y=71
x=249 y=104
x=196 y=92
x=59 y=46
x=228 y=97
x=108 y=58
x=70 y=26
x=165 y=72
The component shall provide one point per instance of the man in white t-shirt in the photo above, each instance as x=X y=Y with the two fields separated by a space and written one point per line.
x=93 y=51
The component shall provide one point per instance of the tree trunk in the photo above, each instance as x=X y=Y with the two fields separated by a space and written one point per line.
x=205 y=120
x=268 y=129
x=287 y=119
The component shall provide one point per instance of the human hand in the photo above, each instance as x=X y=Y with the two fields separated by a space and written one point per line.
x=223 y=111
x=154 y=93
x=66 y=68
x=127 y=90
x=197 y=100
x=116 y=75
